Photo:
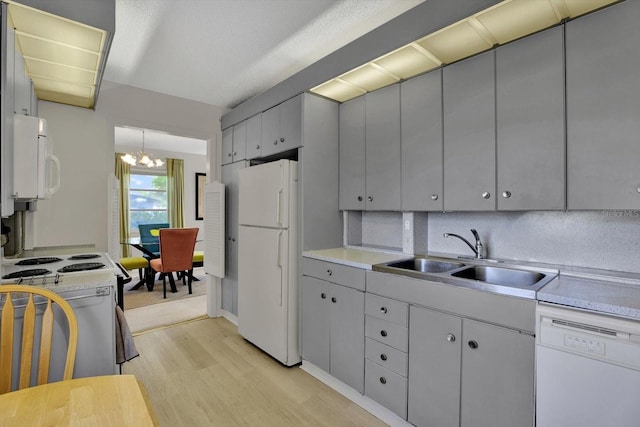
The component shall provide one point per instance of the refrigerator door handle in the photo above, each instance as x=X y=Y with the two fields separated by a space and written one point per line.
x=279 y=262
x=278 y=201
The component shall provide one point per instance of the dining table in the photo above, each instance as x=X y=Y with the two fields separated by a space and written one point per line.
x=110 y=400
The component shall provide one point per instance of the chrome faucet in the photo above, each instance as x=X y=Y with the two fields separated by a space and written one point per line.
x=478 y=249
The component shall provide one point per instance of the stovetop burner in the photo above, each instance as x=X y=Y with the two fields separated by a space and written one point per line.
x=27 y=273
x=84 y=256
x=38 y=261
x=80 y=267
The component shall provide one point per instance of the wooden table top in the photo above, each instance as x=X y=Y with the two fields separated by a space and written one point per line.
x=112 y=400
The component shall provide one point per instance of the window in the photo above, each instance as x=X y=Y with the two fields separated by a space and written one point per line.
x=147 y=199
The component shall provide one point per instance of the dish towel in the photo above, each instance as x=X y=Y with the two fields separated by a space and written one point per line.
x=125 y=347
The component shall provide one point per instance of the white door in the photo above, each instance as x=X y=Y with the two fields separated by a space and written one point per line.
x=262 y=288
x=264 y=194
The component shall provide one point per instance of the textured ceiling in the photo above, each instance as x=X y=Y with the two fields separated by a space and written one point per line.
x=222 y=52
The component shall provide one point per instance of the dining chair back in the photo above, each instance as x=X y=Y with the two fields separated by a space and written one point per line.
x=149 y=236
x=14 y=306
x=176 y=254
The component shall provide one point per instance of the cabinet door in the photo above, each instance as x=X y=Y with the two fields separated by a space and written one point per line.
x=352 y=154
x=434 y=368
x=239 y=141
x=421 y=120
x=270 y=133
x=530 y=119
x=290 y=124
x=22 y=87
x=347 y=336
x=469 y=134
x=497 y=377
x=6 y=127
x=383 y=160
x=603 y=107
x=316 y=329
x=254 y=129
x=227 y=146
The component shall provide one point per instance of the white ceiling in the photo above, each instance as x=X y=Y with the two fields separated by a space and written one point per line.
x=223 y=52
x=128 y=139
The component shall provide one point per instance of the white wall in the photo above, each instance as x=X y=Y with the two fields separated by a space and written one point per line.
x=84 y=142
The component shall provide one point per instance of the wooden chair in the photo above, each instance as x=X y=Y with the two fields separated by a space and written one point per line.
x=29 y=329
x=176 y=255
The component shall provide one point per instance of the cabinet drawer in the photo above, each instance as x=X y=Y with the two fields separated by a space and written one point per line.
x=331 y=272
x=387 y=309
x=384 y=355
x=386 y=388
x=387 y=333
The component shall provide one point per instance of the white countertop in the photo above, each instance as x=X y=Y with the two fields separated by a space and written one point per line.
x=355 y=257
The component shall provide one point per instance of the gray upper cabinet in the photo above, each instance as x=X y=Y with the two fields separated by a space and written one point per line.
x=352 y=155
x=234 y=143
x=530 y=123
x=421 y=130
x=383 y=159
x=227 y=146
x=469 y=134
x=603 y=109
x=282 y=127
x=254 y=130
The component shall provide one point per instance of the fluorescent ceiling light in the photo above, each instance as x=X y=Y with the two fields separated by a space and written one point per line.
x=504 y=22
x=63 y=58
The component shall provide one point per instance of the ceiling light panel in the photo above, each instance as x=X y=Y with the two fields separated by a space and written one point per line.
x=580 y=7
x=407 y=62
x=58 y=53
x=50 y=85
x=455 y=42
x=50 y=70
x=368 y=77
x=338 y=90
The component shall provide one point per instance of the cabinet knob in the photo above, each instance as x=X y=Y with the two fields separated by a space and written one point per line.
x=486 y=195
x=638 y=189
x=383 y=356
x=329 y=272
x=506 y=194
x=383 y=333
x=281 y=139
x=451 y=338
x=383 y=310
x=383 y=380
x=370 y=198
x=434 y=197
x=323 y=295
x=473 y=344
x=333 y=299
x=233 y=239
x=359 y=198
x=275 y=142
x=229 y=155
x=257 y=147
x=235 y=153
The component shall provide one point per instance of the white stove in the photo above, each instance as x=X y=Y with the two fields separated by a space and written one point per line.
x=59 y=269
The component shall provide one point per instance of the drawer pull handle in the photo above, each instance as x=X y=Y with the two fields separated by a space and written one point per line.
x=383 y=380
x=333 y=299
x=383 y=333
x=473 y=344
x=451 y=338
x=323 y=295
x=383 y=356
x=384 y=310
x=329 y=272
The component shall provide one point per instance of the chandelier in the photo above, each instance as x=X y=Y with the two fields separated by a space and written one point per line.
x=141 y=158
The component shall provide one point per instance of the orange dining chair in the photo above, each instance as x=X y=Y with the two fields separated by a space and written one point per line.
x=21 y=301
x=176 y=255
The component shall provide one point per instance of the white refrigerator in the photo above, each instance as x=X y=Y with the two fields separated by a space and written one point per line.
x=268 y=258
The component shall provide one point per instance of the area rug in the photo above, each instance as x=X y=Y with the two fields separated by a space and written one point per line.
x=142 y=297
x=158 y=316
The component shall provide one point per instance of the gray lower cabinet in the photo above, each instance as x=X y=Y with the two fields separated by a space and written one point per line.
x=470 y=134
x=333 y=322
x=352 y=155
x=230 y=174
x=603 y=107
x=421 y=129
x=468 y=373
x=530 y=122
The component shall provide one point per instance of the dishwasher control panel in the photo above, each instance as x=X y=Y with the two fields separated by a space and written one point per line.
x=584 y=344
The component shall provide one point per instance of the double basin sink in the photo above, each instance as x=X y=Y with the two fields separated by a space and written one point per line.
x=519 y=282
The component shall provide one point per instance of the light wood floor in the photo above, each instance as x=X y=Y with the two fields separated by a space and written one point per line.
x=203 y=373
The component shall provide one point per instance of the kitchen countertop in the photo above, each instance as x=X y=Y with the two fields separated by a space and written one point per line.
x=615 y=293
x=356 y=257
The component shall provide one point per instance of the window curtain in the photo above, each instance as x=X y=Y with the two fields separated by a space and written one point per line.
x=175 y=192
x=123 y=170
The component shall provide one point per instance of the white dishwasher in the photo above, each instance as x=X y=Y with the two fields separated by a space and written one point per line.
x=587 y=369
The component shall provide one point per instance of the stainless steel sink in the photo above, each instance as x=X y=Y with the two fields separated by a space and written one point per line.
x=425 y=265
x=500 y=276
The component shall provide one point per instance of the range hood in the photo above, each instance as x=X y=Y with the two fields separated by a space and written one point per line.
x=64 y=45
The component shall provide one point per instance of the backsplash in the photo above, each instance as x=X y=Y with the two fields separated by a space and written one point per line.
x=607 y=240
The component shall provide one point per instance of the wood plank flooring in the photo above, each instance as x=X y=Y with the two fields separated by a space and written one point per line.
x=203 y=373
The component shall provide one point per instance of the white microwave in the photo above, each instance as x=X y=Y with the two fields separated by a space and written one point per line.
x=36 y=171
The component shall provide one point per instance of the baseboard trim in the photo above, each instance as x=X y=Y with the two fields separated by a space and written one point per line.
x=229 y=316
